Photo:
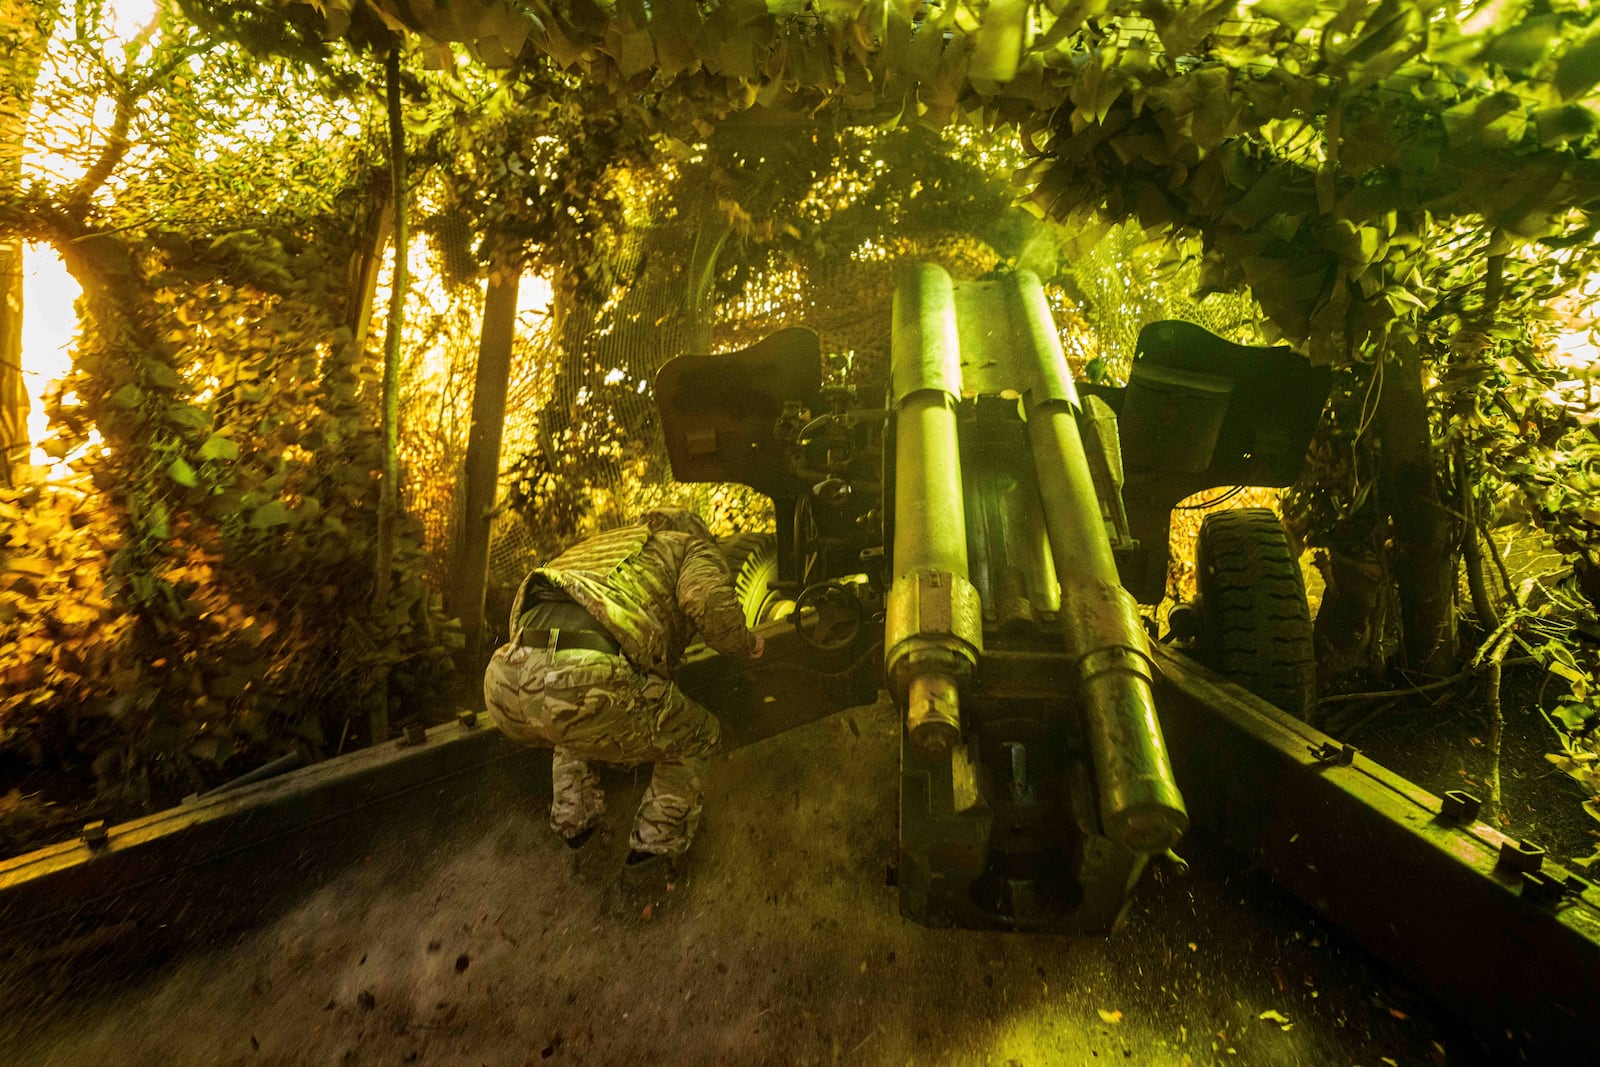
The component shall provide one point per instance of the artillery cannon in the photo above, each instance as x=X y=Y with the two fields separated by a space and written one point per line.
x=956 y=534
x=977 y=505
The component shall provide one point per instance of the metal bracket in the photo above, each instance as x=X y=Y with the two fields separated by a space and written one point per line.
x=1523 y=857
x=1329 y=754
x=1459 y=806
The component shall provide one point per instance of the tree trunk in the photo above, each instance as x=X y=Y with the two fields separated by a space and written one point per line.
x=1471 y=550
x=27 y=26
x=363 y=276
x=14 y=442
x=1424 y=548
x=481 y=476
x=389 y=484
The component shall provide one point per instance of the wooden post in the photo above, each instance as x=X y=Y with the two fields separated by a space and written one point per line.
x=389 y=485
x=481 y=475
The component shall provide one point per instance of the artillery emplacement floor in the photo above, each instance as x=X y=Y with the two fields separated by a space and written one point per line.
x=482 y=946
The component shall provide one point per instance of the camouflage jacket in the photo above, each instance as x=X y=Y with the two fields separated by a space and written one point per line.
x=652 y=591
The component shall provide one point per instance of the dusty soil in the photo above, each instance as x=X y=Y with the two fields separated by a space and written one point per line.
x=485 y=946
x=1446 y=747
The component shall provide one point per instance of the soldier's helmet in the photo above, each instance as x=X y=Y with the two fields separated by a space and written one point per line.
x=675 y=518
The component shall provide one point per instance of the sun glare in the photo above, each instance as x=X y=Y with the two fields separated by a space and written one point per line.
x=49 y=321
x=128 y=17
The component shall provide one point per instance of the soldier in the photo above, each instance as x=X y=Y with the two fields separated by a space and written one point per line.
x=595 y=635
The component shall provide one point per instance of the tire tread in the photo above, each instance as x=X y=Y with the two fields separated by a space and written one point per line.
x=1257 y=626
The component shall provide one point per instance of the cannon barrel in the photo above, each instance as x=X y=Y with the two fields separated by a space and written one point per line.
x=934 y=628
x=1140 y=805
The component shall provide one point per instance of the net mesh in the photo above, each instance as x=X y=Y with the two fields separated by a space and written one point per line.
x=582 y=447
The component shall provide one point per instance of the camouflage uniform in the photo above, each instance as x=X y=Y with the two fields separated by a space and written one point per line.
x=650 y=591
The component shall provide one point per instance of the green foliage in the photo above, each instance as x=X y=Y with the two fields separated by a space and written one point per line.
x=218 y=417
x=539 y=165
x=1360 y=168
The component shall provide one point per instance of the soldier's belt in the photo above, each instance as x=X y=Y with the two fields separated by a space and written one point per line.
x=554 y=640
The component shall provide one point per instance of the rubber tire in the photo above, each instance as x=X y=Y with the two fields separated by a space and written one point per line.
x=753 y=559
x=1255 y=625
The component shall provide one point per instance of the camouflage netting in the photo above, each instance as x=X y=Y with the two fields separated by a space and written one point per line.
x=582 y=448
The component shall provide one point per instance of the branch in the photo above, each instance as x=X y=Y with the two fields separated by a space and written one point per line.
x=1428 y=687
x=1500 y=565
x=1493 y=284
x=117 y=143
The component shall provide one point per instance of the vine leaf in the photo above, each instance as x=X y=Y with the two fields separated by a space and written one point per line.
x=127 y=398
x=1290 y=13
x=272 y=513
x=1525 y=44
x=180 y=471
x=1579 y=69
x=218 y=447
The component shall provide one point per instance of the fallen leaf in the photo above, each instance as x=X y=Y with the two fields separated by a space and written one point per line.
x=1110 y=1016
x=1273 y=1016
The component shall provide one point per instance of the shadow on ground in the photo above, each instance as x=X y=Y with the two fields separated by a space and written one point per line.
x=483 y=945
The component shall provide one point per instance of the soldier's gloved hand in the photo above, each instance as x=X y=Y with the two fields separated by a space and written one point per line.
x=761 y=646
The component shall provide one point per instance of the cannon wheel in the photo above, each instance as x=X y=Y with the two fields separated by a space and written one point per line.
x=753 y=559
x=1255 y=626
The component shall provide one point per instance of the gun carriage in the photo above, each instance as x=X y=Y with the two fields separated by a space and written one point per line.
x=1004 y=526
x=983 y=537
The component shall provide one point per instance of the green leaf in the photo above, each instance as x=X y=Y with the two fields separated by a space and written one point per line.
x=160 y=374
x=272 y=513
x=158 y=522
x=218 y=447
x=187 y=416
x=1001 y=38
x=1573 y=714
x=1486 y=121
x=1569 y=122
x=1524 y=45
x=1291 y=13
x=128 y=397
x=180 y=471
x=1579 y=69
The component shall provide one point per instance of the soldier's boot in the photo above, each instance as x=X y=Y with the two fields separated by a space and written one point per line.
x=648 y=882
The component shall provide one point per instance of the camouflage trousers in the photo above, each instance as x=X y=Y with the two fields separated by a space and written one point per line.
x=594 y=706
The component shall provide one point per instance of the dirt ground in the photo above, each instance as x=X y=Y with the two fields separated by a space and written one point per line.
x=784 y=946
x=1446 y=747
